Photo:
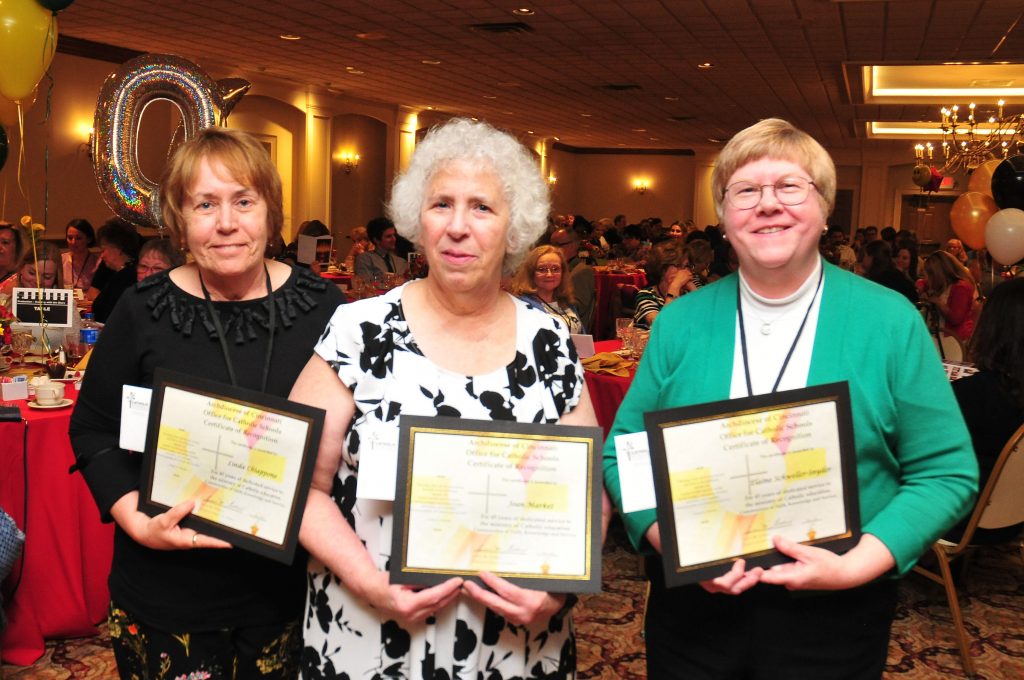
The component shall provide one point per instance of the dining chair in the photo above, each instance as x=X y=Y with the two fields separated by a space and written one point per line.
x=999 y=505
x=950 y=347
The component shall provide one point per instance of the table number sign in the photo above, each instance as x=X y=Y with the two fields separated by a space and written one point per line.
x=54 y=306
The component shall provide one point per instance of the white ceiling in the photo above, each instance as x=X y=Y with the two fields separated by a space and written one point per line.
x=771 y=57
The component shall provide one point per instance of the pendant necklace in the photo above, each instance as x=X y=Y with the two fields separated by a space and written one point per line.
x=223 y=341
x=792 y=348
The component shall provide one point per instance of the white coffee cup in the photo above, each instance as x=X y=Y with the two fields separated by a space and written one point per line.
x=50 y=393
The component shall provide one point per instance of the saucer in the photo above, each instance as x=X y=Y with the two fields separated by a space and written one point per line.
x=61 y=404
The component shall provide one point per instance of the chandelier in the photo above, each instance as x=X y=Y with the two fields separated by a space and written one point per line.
x=967 y=143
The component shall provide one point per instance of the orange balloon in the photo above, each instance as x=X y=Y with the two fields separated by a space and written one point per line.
x=981 y=178
x=969 y=215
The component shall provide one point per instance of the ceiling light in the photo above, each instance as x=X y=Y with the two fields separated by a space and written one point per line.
x=290 y=36
x=430 y=62
x=639 y=129
x=371 y=36
x=490 y=96
x=705 y=66
x=715 y=140
x=354 y=71
x=586 y=115
x=529 y=132
x=671 y=99
x=523 y=12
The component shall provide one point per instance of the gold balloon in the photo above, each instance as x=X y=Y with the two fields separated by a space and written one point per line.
x=922 y=175
x=969 y=215
x=9 y=110
x=981 y=178
x=28 y=39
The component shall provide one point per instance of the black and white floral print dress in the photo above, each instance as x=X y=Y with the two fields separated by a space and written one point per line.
x=369 y=344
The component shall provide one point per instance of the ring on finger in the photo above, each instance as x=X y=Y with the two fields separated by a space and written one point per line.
x=195 y=537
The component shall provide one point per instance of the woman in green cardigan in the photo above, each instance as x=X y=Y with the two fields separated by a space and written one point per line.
x=804 y=322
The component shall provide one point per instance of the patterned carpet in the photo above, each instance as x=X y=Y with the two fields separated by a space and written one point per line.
x=609 y=624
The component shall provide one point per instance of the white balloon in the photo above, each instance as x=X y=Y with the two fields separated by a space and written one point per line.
x=1004 y=236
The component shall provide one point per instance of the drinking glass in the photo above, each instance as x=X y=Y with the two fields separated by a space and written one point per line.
x=639 y=343
x=21 y=343
x=621 y=324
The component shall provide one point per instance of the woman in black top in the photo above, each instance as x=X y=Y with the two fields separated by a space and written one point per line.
x=119 y=246
x=880 y=268
x=181 y=604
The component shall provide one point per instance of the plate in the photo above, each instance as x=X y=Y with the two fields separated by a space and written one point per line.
x=62 y=404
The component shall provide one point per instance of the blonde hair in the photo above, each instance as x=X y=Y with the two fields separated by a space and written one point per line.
x=778 y=139
x=523 y=283
x=244 y=158
x=943 y=268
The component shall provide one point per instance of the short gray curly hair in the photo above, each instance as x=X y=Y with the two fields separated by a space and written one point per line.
x=463 y=139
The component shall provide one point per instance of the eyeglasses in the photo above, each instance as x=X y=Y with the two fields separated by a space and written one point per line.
x=788 y=191
x=549 y=270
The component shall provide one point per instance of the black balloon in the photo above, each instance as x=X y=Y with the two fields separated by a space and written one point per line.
x=1008 y=183
x=3 y=147
x=55 y=5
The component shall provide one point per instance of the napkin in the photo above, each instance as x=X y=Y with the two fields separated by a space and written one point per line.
x=610 y=363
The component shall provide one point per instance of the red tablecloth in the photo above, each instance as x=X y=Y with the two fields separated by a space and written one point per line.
x=606 y=391
x=343 y=279
x=603 y=326
x=63 y=590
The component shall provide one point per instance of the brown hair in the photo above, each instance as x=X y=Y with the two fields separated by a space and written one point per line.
x=244 y=158
x=942 y=268
x=523 y=281
x=661 y=257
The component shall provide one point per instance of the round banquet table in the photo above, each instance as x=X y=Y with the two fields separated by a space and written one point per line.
x=66 y=560
x=607 y=391
x=605 y=288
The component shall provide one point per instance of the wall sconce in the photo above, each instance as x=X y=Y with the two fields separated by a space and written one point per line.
x=552 y=180
x=641 y=186
x=349 y=161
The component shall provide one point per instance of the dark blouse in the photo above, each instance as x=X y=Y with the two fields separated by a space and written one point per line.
x=111 y=285
x=159 y=325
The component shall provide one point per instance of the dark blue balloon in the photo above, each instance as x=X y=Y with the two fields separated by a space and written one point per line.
x=3 y=147
x=1008 y=183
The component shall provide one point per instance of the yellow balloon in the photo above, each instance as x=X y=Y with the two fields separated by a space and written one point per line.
x=9 y=109
x=981 y=178
x=28 y=39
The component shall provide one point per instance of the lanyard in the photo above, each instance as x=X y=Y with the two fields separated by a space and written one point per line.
x=75 y=277
x=556 y=310
x=224 y=342
x=789 y=355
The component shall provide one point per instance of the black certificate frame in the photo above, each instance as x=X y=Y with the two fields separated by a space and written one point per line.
x=311 y=417
x=590 y=437
x=658 y=422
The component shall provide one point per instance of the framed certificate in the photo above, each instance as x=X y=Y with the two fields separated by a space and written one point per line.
x=520 y=500
x=730 y=475
x=246 y=458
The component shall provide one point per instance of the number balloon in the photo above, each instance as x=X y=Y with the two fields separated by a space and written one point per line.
x=122 y=100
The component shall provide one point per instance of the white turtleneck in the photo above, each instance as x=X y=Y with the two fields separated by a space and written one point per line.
x=766 y=353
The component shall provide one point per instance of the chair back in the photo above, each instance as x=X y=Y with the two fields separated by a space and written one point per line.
x=949 y=346
x=1001 y=503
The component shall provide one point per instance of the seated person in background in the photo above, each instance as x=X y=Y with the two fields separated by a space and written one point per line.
x=307 y=228
x=119 y=245
x=79 y=263
x=950 y=289
x=543 y=282
x=46 y=274
x=880 y=268
x=157 y=255
x=360 y=244
x=992 y=400
x=955 y=247
x=631 y=247
x=699 y=256
x=372 y=265
x=582 y=274
x=11 y=247
x=666 y=265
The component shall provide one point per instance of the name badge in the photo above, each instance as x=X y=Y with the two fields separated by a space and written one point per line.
x=636 y=478
x=134 y=417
